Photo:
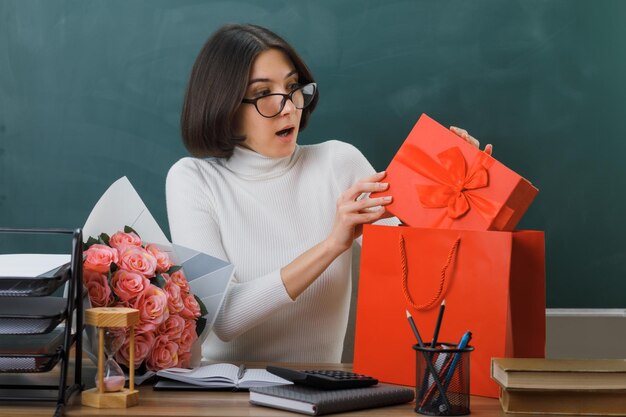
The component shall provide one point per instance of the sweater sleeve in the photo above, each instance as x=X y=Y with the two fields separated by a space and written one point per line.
x=194 y=224
x=353 y=166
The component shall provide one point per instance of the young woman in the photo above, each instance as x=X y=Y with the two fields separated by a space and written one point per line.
x=285 y=215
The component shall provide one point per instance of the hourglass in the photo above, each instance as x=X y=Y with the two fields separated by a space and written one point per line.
x=110 y=391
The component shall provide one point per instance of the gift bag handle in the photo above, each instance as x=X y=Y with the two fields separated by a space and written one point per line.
x=442 y=278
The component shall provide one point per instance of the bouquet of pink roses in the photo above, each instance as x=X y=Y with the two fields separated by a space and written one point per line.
x=119 y=270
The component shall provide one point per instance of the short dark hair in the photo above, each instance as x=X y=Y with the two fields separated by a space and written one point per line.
x=218 y=83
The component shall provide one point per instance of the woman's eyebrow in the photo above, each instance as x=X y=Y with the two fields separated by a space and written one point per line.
x=258 y=80
x=265 y=80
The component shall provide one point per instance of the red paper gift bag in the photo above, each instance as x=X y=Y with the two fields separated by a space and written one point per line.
x=439 y=180
x=493 y=284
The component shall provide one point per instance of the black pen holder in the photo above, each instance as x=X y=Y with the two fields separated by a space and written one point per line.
x=449 y=394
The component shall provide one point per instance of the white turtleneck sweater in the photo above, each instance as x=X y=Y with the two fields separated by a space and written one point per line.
x=259 y=214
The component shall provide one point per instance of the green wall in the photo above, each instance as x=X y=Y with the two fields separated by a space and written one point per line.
x=91 y=91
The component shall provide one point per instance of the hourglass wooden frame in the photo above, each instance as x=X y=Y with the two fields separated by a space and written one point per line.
x=102 y=318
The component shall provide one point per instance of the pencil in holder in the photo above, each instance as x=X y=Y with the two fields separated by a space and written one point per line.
x=443 y=387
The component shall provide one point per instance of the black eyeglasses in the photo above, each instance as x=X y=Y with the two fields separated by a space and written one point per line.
x=271 y=105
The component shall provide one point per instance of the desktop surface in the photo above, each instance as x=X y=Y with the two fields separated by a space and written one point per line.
x=215 y=403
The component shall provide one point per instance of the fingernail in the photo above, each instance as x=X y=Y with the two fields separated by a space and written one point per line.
x=383 y=185
x=387 y=199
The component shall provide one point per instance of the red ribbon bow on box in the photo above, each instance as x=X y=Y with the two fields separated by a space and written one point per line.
x=455 y=184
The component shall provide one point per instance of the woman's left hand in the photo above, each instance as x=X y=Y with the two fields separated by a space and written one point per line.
x=470 y=139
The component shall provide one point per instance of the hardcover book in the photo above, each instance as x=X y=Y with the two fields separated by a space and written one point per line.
x=571 y=374
x=306 y=400
x=571 y=402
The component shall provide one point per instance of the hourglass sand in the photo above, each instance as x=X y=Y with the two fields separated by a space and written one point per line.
x=110 y=391
x=113 y=375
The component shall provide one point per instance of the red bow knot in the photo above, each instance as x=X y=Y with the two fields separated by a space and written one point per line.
x=455 y=183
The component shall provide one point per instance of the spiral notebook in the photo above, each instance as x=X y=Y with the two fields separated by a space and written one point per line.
x=306 y=400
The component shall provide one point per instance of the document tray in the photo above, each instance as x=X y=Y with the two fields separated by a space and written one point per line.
x=40 y=286
x=31 y=353
x=23 y=315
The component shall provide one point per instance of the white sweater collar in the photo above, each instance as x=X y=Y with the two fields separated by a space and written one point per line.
x=252 y=165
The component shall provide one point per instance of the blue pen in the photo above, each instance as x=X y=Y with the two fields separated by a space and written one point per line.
x=457 y=357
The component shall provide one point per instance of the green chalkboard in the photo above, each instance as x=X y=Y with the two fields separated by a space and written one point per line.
x=91 y=91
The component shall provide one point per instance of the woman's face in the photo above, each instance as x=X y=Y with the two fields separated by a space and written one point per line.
x=271 y=72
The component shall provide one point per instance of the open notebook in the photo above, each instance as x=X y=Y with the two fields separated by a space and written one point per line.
x=220 y=375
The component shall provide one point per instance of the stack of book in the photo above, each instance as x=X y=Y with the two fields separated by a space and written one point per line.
x=561 y=386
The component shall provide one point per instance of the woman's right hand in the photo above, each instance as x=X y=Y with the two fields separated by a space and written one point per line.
x=354 y=209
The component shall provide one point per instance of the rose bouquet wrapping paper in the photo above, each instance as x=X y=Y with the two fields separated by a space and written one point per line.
x=129 y=262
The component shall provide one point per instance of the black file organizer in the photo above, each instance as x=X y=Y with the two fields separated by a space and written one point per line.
x=28 y=311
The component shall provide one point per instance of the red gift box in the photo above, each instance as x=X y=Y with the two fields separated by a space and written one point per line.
x=439 y=180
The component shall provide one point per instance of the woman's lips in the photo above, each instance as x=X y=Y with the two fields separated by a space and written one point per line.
x=286 y=134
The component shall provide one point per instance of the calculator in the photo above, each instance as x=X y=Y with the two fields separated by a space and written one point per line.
x=324 y=379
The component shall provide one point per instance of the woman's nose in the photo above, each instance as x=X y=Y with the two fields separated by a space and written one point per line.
x=289 y=106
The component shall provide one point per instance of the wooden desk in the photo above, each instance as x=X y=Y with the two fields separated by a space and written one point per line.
x=216 y=403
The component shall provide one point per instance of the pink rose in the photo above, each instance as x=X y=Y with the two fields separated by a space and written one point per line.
x=146 y=327
x=192 y=309
x=125 y=304
x=152 y=306
x=143 y=346
x=174 y=299
x=163 y=260
x=188 y=335
x=120 y=240
x=99 y=258
x=184 y=360
x=128 y=285
x=164 y=354
x=137 y=259
x=179 y=279
x=97 y=287
x=172 y=327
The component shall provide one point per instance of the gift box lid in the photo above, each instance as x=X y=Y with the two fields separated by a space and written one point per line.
x=439 y=180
